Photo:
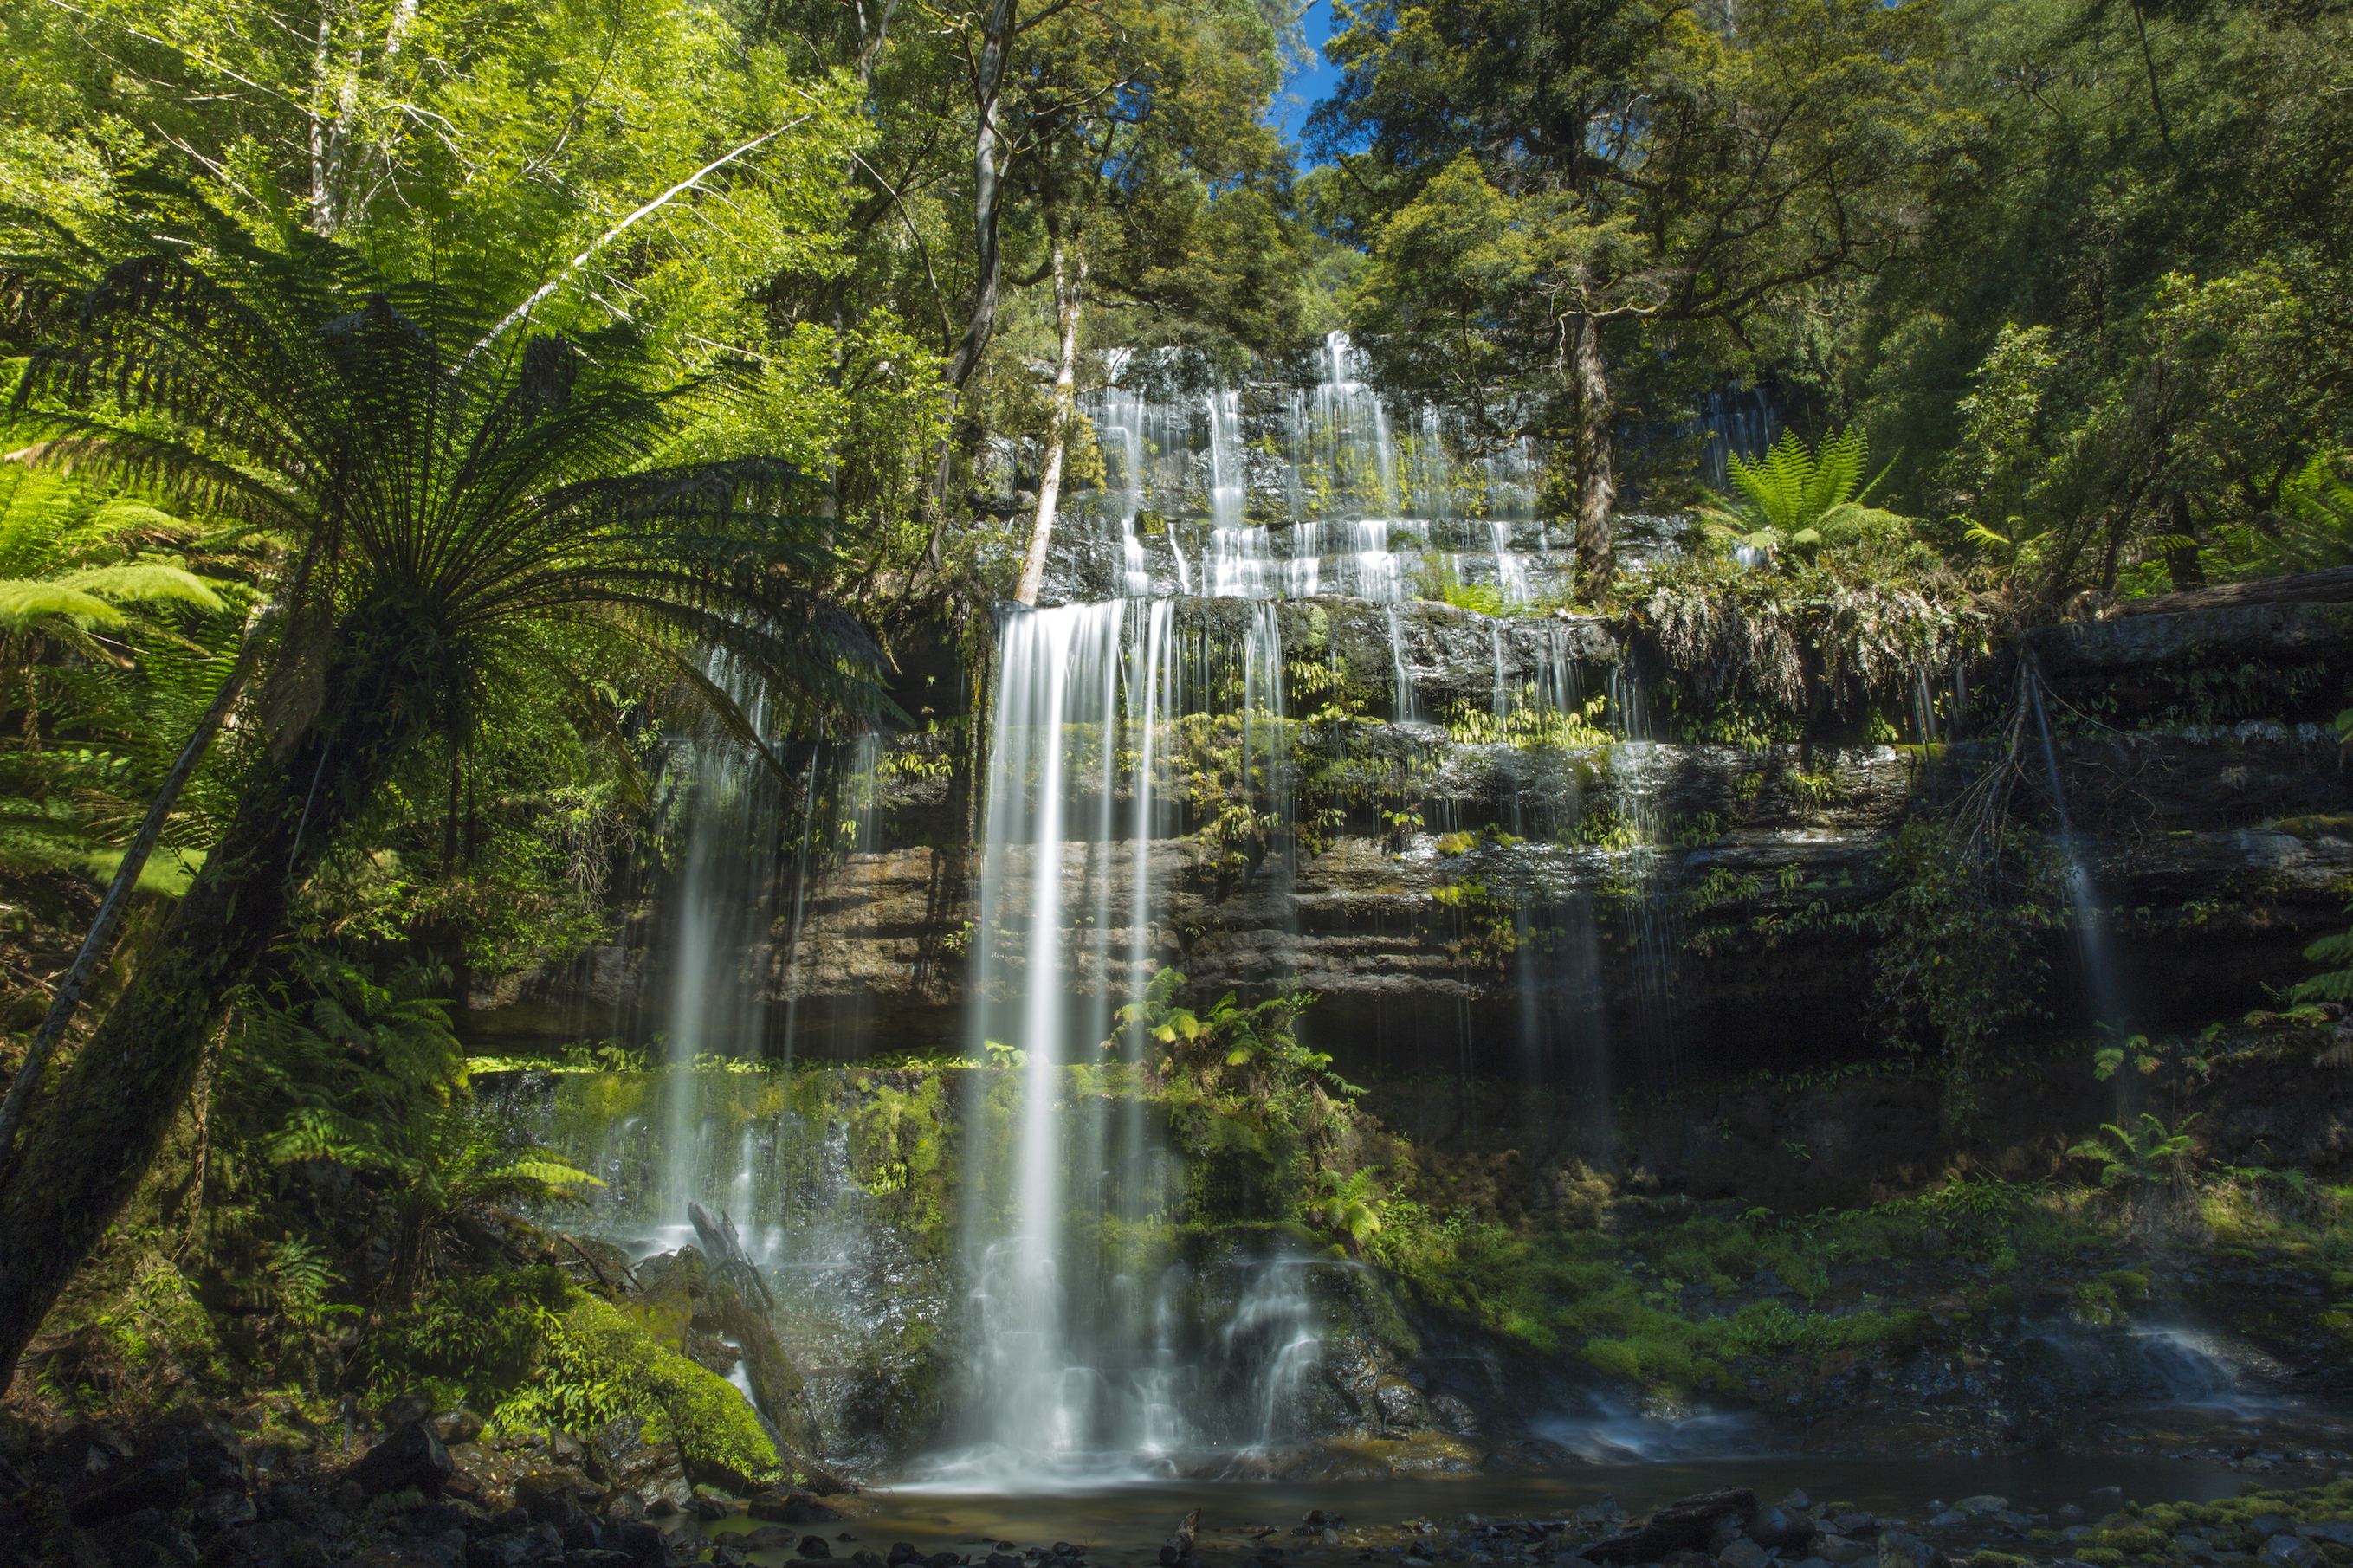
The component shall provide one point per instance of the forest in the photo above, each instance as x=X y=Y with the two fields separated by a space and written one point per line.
x=1715 y=631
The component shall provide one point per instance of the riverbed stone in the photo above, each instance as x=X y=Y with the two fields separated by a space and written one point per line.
x=1897 y=1549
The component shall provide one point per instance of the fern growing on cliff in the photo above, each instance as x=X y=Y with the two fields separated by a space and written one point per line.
x=1796 y=500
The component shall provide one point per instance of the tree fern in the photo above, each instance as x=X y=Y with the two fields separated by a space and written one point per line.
x=1800 y=498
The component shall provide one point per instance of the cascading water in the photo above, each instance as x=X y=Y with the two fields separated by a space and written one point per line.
x=2090 y=933
x=1096 y=1351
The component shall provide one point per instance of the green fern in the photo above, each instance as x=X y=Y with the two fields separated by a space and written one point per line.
x=2151 y=1151
x=1796 y=500
x=2314 y=520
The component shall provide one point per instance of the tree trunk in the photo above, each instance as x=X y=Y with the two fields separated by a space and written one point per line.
x=1597 y=484
x=988 y=193
x=1070 y=284
x=85 y=1155
x=2183 y=567
x=118 y=895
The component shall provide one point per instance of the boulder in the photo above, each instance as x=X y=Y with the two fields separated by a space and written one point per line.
x=163 y=1481
x=1784 y=1530
x=515 y=1549
x=276 y=1543
x=1688 y=1523
x=1897 y=1549
x=777 y=1387
x=556 y=1498
x=456 y=1426
x=410 y=1456
x=620 y=1456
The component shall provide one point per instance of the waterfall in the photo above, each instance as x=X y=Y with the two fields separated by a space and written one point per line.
x=1054 y=668
x=2091 y=926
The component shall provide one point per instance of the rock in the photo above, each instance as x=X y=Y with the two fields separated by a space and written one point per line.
x=444 y=1549
x=901 y=1551
x=556 y=1498
x=646 y=1544
x=815 y=1546
x=795 y=1507
x=2013 y=1518
x=276 y=1543
x=2339 y=1531
x=226 y=1511
x=1900 y=1551
x=152 y=1535
x=402 y=1409
x=1782 y=1529
x=513 y=1550
x=1839 y=1549
x=1796 y=1499
x=2070 y=1511
x=1688 y=1522
x=770 y=1538
x=456 y=1426
x=160 y=1482
x=1328 y=1539
x=1982 y=1504
x=1683 y=1557
x=596 y=1557
x=1743 y=1554
x=942 y=1559
x=1600 y=1512
x=999 y=1560
x=2291 y=1550
x=411 y=1455
x=1947 y=1519
x=619 y=1456
x=1855 y=1524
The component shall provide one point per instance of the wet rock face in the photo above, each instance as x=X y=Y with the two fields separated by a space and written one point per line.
x=1460 y=895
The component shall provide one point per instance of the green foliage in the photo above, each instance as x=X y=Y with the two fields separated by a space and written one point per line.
x=534 y=1350
x=1349 y=1207
x=332 y=1066
x=1750 y=650
x=1796 y=501
x=1963 y=938
x=2334 y=984
x=2148 y=1152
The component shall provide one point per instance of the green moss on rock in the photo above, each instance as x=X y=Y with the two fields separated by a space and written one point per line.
x=599 y=1365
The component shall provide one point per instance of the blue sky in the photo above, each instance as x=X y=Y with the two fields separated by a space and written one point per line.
x=1306 y=86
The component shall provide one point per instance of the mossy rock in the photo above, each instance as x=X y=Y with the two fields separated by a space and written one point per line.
x=1997 y=1560
x=597 y=1347
x=2133 y=1539
x=2101 y=1556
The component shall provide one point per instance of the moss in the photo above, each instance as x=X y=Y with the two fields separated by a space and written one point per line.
x=2100 y=1556
x=1997 y=1560
x=899 y=1130
x=599 y=1365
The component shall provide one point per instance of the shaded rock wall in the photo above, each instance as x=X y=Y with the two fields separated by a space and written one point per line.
x=1462 y=902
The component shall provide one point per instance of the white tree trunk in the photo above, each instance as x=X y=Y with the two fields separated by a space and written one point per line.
x=1069 y=285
